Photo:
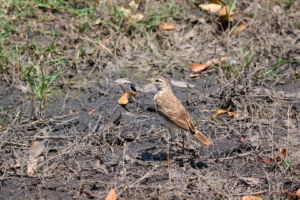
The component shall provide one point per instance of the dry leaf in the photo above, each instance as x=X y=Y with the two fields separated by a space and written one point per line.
x=35 y=151
x=244 y=138
x=241 y=27
x=251 y=198
x=215 y=8
x=137 y=17
x=251 y=181
x=198 y=67
x=220 y=112
x=91 y=112
x=123 y=100
x=167 y=27
x=298 y=193
x=215 y=60
x=277 y=10
x=290 y=193
x=111 y=195
x=194 y=75
x=133 y=5
x=283 y=153
x=266 y=160
x=290 y=197
x=2 y=127
x=209 y=63
x=233 y=115
x=131 y=94
x=224 y=58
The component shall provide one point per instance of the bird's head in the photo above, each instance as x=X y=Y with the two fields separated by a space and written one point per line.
x=160 y=82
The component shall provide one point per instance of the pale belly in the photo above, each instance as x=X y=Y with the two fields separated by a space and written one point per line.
x=167 y=123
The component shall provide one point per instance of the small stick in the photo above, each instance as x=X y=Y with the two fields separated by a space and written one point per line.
x=183 y=144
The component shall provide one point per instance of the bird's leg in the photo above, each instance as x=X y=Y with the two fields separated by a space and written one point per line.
x=170 y=139
x=169 y=163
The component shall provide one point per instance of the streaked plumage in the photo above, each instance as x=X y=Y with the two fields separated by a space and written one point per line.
x=173 y=114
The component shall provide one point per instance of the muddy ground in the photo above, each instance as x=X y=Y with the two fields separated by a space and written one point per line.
x=94 y=48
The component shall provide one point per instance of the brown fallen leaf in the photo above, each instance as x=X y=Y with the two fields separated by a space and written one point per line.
x=131 y=94
x=233 y=115
x=244 y=138
x=35 y=151
x=241 y=27
x=123 y=100
x=251 y=198
x=287 y=192
x=224 y=58
x=283 y=153
x=2 y=127
x=168 y=27
x=215 y=8
x=209 y=63
x=198 y=67
x=220 y=112
x=111 y=195
x=251 y=181
x=91 y=112
x=290 y=197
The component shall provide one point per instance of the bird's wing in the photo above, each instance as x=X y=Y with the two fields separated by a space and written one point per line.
x=175 y=112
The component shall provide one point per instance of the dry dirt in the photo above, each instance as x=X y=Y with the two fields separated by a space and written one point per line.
x=97 y=49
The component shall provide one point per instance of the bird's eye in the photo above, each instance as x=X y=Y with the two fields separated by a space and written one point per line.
x=156 y=80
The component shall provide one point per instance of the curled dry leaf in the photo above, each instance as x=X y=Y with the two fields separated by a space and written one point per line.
x=92 y=111
x=224 y=58
x=123 y=100
x=220 y=112
x=251 y=198
x=283 y=153
x=241 y=27
x=198 y=67
x=209 y=63
x=111 y=195
x=215 y=8
x=168 y=27
x=233 y=115
x=131 y=94
x=35 y=151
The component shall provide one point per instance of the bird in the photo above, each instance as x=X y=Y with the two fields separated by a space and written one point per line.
x=172 y=113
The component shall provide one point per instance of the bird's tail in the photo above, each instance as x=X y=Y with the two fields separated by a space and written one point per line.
x=203 y=139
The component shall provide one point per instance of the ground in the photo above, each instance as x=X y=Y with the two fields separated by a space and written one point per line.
x=65 y=64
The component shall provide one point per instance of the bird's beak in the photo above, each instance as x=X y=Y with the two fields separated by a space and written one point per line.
x=150 y=80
